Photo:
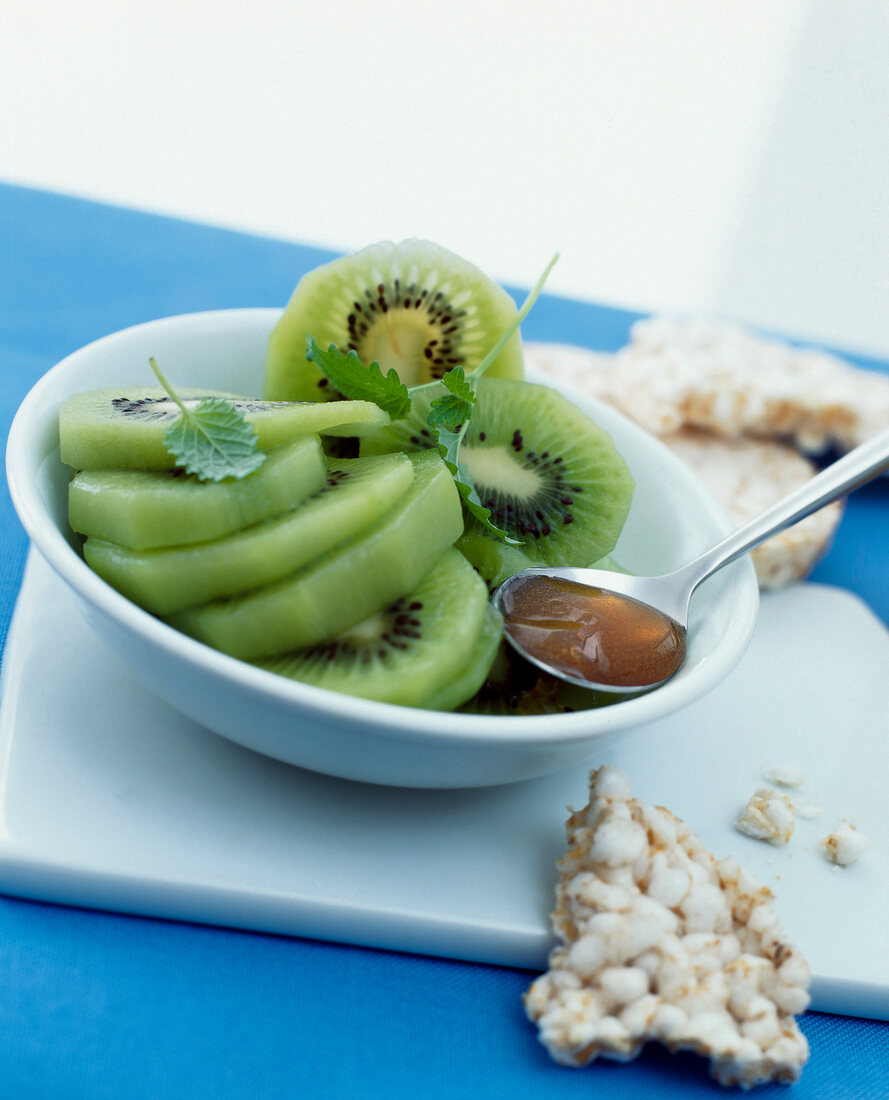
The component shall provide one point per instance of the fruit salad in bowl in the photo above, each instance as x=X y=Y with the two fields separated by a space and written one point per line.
x=290 y=524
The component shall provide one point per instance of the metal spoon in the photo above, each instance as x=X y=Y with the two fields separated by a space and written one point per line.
x=618 y=633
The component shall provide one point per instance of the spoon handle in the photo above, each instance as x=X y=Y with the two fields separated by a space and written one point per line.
x=847 y=473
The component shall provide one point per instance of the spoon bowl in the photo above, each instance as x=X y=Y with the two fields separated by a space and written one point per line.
x=618 y=633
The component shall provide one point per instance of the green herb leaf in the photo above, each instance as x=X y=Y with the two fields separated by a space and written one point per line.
x=211 y=440
x=453 y=409
x=360 y=383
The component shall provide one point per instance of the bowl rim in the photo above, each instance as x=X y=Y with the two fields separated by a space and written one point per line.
x=23 y=464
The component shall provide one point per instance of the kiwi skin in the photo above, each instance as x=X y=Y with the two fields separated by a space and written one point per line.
x=412 y=306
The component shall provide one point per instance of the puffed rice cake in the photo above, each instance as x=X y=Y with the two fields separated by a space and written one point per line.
x=736 y=408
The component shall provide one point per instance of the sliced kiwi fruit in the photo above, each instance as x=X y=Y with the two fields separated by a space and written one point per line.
x=551 y=477
x=411 y=306
x=408 y=651
x=344 y=587
x=357 y=494
x=472 y=675
x=149 y=508
x=125 y=428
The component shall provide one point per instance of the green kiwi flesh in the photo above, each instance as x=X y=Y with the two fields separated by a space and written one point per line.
x=495 y=560
x=149 y=508
x=344 y=587
x=410 y=650
x=125 y=428
x=472 y=675
x=551 y=477
x=356 y=495
x=411 y=306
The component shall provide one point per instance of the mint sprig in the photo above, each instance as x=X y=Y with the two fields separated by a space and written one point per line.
x=212 y=440
x=359 y=382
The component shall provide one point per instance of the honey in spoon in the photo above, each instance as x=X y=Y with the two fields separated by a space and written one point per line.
x=593 y=635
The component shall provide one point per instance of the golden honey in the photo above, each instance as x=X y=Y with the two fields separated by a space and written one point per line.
x=593 y=634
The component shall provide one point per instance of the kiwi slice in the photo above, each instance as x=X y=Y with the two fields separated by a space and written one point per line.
x=551 y=477
x=410 y=650
x=345 y=587
x=472 y=675
x=125 y=428
x=357 y=494
x=148 y=508
x=412 y=306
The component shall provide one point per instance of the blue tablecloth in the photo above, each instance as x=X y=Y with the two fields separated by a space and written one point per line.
x=100 y=1005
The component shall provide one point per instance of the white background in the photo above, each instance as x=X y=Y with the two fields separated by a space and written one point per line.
x=693 y=155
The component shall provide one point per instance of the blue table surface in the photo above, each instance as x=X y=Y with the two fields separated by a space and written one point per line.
x=102 y=1005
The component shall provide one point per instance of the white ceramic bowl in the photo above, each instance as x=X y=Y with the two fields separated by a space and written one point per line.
x=672 y=518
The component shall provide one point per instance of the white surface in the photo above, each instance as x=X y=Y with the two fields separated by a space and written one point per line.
x=696 y=156
x=337 y=734
x=109 y=798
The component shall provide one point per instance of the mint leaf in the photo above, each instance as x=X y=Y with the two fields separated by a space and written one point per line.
x=360 y=383
x=454 y=409
x=212 y=439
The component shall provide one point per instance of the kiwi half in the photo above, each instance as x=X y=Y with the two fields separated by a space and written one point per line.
x=149 y=508
x=412 y=306
x=125 y=428
x=357 y=494
x=409 y=651
x=552 y=478
x=344 y=587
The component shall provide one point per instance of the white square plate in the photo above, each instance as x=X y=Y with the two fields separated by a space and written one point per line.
x=111 y=799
